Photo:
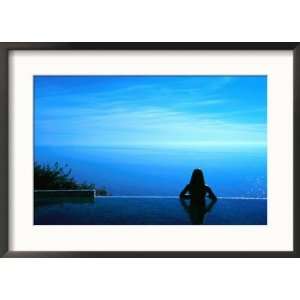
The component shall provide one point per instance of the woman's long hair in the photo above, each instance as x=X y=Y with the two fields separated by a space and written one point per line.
x=197 y=183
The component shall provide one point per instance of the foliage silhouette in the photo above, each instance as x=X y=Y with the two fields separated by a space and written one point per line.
x=55 y=177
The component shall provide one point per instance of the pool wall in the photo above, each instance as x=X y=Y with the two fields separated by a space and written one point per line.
x=45 y=195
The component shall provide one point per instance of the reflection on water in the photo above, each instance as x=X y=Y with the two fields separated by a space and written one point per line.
x=129 y=210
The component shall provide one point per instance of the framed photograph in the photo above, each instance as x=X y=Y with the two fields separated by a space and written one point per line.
x=149 y=149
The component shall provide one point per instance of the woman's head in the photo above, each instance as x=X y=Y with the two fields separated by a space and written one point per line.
x=197 y=178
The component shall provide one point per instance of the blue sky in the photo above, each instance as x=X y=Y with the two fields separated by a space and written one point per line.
x=157 y=111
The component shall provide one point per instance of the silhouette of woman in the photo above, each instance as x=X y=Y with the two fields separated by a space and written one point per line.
x=196 y=191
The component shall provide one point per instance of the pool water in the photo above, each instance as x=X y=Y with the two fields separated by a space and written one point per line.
x=141 y=210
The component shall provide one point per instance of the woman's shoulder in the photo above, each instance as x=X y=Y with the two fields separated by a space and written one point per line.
x=185 y=190
x=187 y=187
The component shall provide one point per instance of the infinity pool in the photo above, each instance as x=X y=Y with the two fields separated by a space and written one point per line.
x=147 y=211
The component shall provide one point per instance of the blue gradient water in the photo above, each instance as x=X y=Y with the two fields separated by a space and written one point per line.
x=230 y=171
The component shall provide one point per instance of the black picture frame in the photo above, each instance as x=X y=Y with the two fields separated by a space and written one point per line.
x=5 y=48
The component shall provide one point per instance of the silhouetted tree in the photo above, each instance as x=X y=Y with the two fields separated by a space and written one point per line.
x=59 y=178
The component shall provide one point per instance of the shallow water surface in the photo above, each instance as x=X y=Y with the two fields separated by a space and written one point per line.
x=130 y=210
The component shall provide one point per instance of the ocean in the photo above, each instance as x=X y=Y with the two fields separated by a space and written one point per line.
x=148 y=171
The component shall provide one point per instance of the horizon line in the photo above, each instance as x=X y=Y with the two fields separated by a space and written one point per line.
x=176 y=196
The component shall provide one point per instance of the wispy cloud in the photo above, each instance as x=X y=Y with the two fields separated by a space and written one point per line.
x=152 y=112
